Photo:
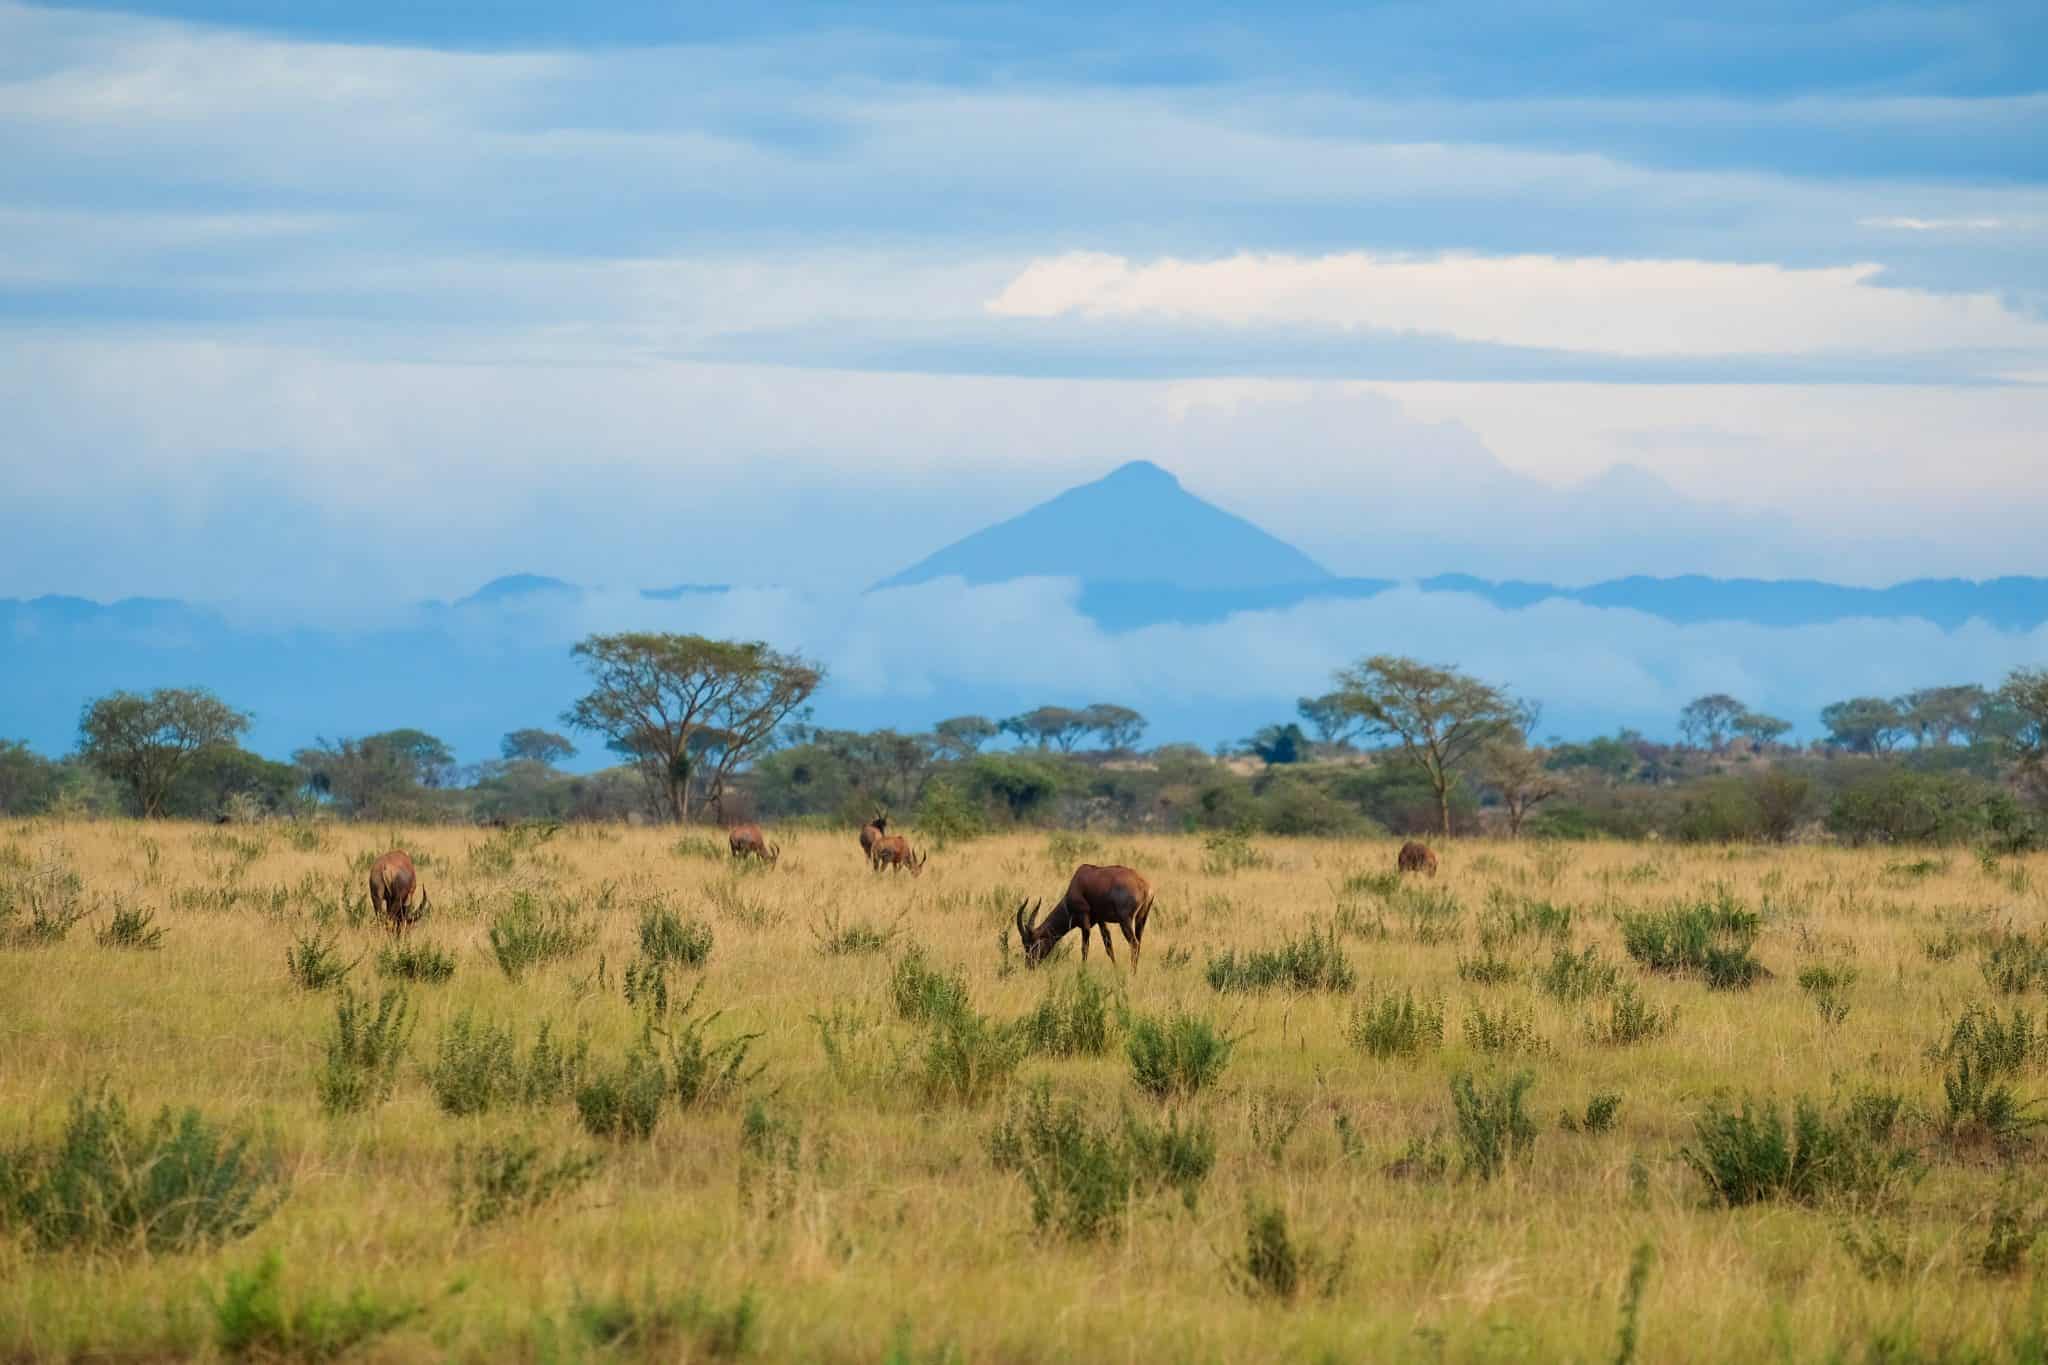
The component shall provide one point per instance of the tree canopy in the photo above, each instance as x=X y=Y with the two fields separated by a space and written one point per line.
x=1440 y=716
x=144 y=741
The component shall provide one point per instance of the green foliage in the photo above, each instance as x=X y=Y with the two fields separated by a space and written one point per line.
x=1433 y=914
x=1749 y=1155
x=477 y=1067
x=1182 y=1054
x=655 y=1328
x=251 y=1320
x=1710 y=938
x=421 y=962
x=836 y=938
x=1598 y=1118
x=131 y=927
x=110 y=1184
x=2013 y=961
x=921 y=992
x=1277 y=1266
x=313 y=964
x=1632 y=1304
x=1630 y=1020
x=144 y=742
x=527 y=933
x=1312 y=961
x=1899 y=806
x=513 y=1175
x=40 y=903
x=1388 y=1025
x=968 y=1058
x=1491 y=1124
x=364 y=1052
x=1828 y=987
x=945 y=816
x=703 y=1072
x=1980 y=1056
x=1488 y=969
x=1079 y=1174
x=1230 y=851
x=2013 y=1228
x=624 y=1102
x=1578 y=976
x=1073 y=1019
x=1508 y=1030
x=667 y=937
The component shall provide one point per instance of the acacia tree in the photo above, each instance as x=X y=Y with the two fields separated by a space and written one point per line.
x=1334 y=725
x=2025 y=697
x=1048 y=725
x=1521 y=776
x=144 y=742
x=963 y=736
x=674 y=701
x=1864 y=725
x=1441 y=717
x=1119 y=726
x=1707 y=721
x=531 y=745
x=1760 y=729
x=1937 y=715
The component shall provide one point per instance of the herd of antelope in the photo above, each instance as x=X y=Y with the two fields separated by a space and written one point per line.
x=1095 y=898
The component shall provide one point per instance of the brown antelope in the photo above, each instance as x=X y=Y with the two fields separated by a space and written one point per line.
x=872 y=831
x=1096 y=898
x=1416 y=857
x=393 y=879
x=747 y=841
x=893 y=851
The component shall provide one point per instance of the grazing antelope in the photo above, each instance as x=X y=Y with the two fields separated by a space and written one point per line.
x=893 y=850
x=872 y=831
x=1096 y=898
x=393 y=879
x=1416 y=857
x=747 y=841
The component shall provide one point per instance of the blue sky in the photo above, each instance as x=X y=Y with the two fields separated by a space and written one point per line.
x=326 y=306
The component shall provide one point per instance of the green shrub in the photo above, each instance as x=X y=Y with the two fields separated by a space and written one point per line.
x=110 y=1184
x=250 y=1319
x=626 y=1101
x=703 y=1072
x=2014 y=1227
x=1312 y=962
x=1171 y=1154
x=513 y=1175
x=1749 y=1155
x=922 y=993
x=968 y=1058
x=421 y=962
x=1630 y=1020
x=131 y=927
x=1489 y=969
x=1275 y=1266
x=1073 y=1019
x=667 y=937
x=1433 y=914
x=1598 y=1118
x=313 y=965
x=1492 y=1126
x=1230 y=851
x=526 y=933
x=364 y=1051
x=1578 y=976
x=1396 y=1026
x=477 y=1068
x=2013 y=961
x=1079 y=1174
x=1980 y=1056
x=1710 y=938
x=40 y=904
x=1508 y=1030
x=835 y=938
x=656 y=1328
x=1183 y=1054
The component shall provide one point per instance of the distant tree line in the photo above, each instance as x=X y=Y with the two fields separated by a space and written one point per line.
x=721 y=729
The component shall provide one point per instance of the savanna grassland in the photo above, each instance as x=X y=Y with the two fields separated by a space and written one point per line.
x=837 y=1119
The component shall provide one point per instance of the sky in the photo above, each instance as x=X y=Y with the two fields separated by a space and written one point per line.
x=317 y=306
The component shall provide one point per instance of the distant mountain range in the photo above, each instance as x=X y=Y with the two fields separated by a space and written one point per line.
x=1143 y=550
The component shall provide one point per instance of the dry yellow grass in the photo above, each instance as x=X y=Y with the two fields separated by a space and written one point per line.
x=899 y=1229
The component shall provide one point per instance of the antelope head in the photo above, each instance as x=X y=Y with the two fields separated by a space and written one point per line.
x=1039 y=937
x=916 y=864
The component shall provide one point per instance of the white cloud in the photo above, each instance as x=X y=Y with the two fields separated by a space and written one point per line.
x=1610 y=307
x=1936 y=224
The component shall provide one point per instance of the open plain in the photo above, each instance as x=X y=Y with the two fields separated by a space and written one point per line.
x=891 y=1171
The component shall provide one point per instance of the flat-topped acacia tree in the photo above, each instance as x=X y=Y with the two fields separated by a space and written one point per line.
x=676 y=702
x=1441 y=717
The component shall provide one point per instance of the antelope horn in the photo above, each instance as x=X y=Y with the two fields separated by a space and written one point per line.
x=1023 y=929
x=774 y=852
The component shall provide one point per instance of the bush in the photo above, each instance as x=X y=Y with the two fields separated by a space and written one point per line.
x=250 y=1319
x=2013 y=962
x=1079 y=1175
x=1312 y=962
x=968 y=1058
x=1598 y=1118
x=922 y=993
x=703 y=1072
x=1748 y=1155
x=1072 y=1020
x=1577 y=976
x=1491 y=969
x=1275 y=1267
x=1509 y=1030
x=40 y=904
x=1630 y=1020
x=1981 y=1054
x=110 y=1184
x=1183 y=1054
x=667 y=937
x=1710 y=938
x=653 y=1328
x=624 y=1102
x=477 y=1068
x=1396 y=1026
x=1491 y=1125
x=364 y=1051
x=130 y=928
x=513 y=1175
x=1230 y=851
x=838 y=939
x=1172 y=1154
x=313 y=965
x=527 y=934
x=421 y=962
x=1899 y=806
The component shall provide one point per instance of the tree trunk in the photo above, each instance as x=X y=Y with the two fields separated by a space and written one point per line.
x=1443 y=800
